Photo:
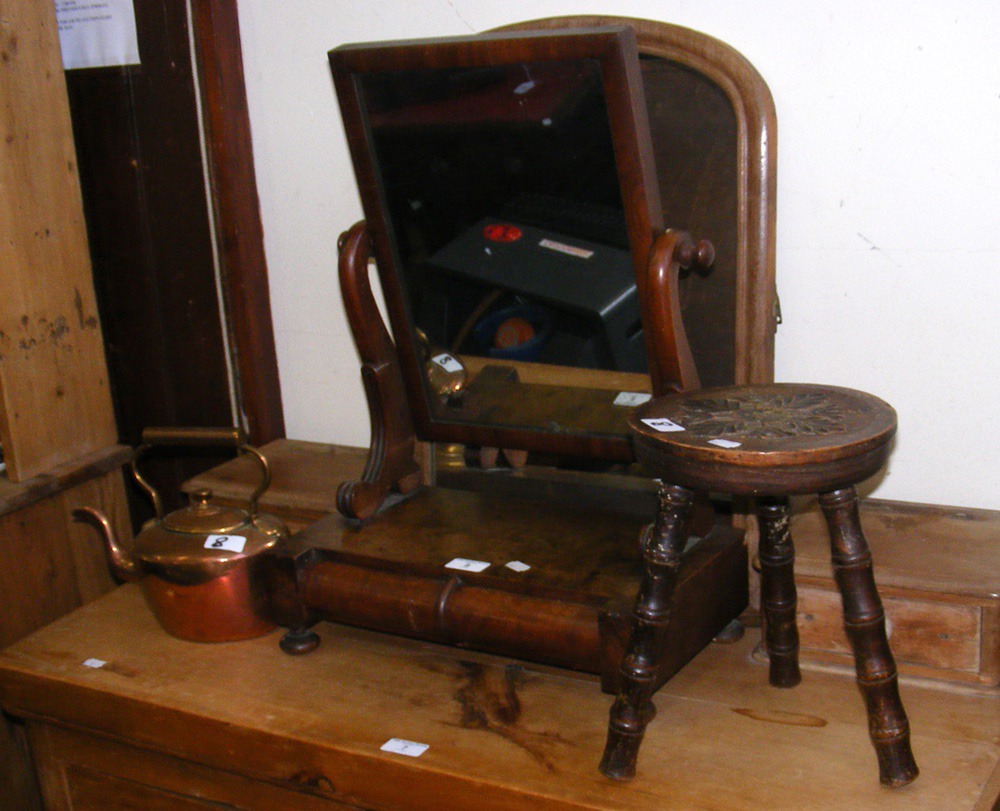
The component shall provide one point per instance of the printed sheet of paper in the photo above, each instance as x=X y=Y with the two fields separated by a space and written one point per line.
x=97 y=33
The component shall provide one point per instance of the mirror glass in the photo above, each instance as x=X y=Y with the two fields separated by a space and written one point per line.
x=505 y=184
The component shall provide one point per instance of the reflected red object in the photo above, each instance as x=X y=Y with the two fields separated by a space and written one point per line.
x=502 y=232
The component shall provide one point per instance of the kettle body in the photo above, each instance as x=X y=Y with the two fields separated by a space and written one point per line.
x=203 y=569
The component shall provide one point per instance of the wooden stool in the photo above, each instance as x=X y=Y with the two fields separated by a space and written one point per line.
x=768 y=441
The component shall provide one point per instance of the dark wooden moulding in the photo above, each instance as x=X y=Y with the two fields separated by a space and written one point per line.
x=381 y=564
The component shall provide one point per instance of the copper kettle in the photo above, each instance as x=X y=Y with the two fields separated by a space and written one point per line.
x=202 y=567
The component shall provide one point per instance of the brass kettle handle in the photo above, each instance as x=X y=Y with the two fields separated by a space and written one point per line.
x=189 y=437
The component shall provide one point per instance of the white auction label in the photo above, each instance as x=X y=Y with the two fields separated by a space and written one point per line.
x=518 y=566
x=569 y=250
x=724 y=443
x=466 y=565
x=230 y=543
x=404 y=747
x=447 y=362
x=663 y=424
x=632 y=398
x=94 y=663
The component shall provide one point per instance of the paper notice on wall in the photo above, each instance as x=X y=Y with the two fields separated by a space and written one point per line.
x=97 y=33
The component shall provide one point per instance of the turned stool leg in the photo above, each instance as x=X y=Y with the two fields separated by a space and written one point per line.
x=777 y=597
x=663 y=544
x=865 y=622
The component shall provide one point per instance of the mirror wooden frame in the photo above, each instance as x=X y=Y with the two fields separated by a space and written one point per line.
x=609 y=47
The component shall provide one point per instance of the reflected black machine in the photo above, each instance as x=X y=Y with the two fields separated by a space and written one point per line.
x=554 y=298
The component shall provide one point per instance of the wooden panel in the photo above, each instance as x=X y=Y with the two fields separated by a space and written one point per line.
x=96 y=792
x=925 y=547
x=18 y=789
x=17 y=496
x=932 y=634
x=938 y=570
x=90 y=774
x=150 y=220
x=49 y=563
x=304 y=479
x=990 y=657
x=86 y=549
x=502 y=735
x=51 y=780
x=53 y=380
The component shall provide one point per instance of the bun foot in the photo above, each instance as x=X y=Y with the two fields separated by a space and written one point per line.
x=300 y=641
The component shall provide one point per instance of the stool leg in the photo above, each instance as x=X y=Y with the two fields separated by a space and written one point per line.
x=663 y=544
x=777 y=593
x=864 y=620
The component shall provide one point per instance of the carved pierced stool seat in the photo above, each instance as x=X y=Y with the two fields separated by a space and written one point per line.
x=769 y=442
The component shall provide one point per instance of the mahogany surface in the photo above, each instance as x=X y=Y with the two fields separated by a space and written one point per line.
x=568 y=609
x=775 y=440
x=383 y=582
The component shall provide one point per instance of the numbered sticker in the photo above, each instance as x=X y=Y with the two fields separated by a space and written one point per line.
x=663 y=424
x=724 y=443
x=632 y=398
x=447 y=362
x=466 y=565
x=403 y=747
x=94 y=663
x=518 y=566
x=228 y=543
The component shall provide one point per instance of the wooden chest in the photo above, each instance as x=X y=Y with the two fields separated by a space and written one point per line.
x=938 y=572
x=168 y=724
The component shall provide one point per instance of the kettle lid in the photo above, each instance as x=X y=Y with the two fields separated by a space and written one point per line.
x=201 y=517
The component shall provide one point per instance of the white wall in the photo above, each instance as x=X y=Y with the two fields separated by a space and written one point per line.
x=888 y=203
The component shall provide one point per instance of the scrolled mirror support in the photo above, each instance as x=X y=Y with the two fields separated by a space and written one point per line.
x=391 y=463
x=671 y=365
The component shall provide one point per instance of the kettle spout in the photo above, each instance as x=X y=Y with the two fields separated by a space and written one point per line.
x=122 y=565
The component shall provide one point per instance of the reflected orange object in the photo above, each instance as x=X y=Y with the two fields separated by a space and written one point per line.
x=513 y=332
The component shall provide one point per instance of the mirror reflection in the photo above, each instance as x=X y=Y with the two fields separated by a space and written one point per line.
x=502 y=197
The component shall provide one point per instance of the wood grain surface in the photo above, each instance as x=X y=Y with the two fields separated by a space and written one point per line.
x=55 y=403
x=500 y=734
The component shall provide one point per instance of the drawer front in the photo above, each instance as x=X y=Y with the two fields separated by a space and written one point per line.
x=926 y=633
